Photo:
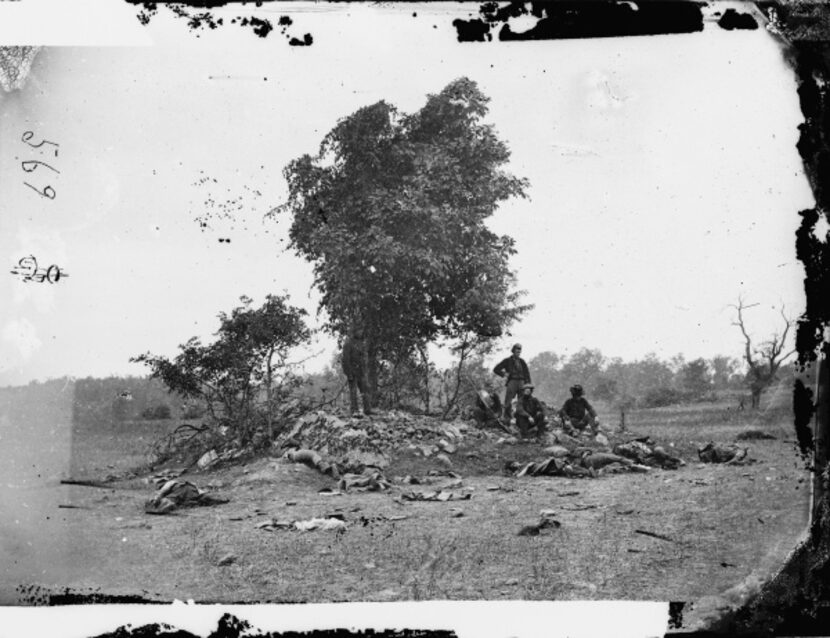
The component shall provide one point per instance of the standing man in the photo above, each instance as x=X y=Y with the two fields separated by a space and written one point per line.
x=354 y=367
x=530 y=413
x=514 y=370
x=577 y=413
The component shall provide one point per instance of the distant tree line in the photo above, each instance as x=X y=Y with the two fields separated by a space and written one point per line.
x=647 y=382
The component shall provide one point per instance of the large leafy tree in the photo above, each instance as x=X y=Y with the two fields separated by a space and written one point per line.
x=391 y=212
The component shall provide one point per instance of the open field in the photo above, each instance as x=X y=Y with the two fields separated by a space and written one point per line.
x=725 y=523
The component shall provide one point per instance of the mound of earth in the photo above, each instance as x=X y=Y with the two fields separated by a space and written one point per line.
x=359 y=441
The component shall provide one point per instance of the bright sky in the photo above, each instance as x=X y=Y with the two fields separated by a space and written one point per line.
x=664 y=181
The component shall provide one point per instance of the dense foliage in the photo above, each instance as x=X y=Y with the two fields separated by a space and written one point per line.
x=243 y=374
x=391 y=212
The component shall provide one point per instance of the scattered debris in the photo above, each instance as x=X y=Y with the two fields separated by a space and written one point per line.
x=227 y=559
x=273 y=524
x=177 y=493
x=435 y=496
x=545 y=522
x=207 y=459
x=579 y=508
x=447 y=473
x=382 y=518
x=325 y=524
x=72 y=507
x=652 y=534
x=84 y=483
x=725 y=564
x=456 y=512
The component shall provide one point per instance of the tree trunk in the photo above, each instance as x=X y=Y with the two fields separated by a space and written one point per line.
x=371 y=367
x=425 y=360
x=462 y=357
x=268 y=390
x=756 y=398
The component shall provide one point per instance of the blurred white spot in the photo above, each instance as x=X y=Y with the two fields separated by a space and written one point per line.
x=604 y=93
x=821 y=229
x=521 y=24
x=22 y=334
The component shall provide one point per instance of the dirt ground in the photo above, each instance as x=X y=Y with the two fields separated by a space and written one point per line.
x=721 y=525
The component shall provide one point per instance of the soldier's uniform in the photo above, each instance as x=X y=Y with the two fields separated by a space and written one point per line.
x=354 y=367
x=577 y=412
x=515 y=371
x=529 y=407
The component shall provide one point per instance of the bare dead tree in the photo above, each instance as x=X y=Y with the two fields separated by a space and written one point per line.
x=765 y=359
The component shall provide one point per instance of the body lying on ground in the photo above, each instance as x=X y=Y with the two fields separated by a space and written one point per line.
x=721 y=453
x=370 y=480
x=314 y=460
x=581 y=462
x=177 y=493
x=644 y=452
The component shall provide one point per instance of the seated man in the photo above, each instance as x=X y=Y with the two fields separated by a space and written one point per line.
x=577 y=413
x=530 y=412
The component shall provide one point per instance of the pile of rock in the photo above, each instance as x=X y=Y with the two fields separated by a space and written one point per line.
x=354 y=442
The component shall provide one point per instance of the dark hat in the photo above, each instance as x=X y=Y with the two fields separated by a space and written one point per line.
x=515 y=346
x=576 y=389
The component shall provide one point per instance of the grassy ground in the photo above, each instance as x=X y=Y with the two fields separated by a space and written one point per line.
x=725 y=523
